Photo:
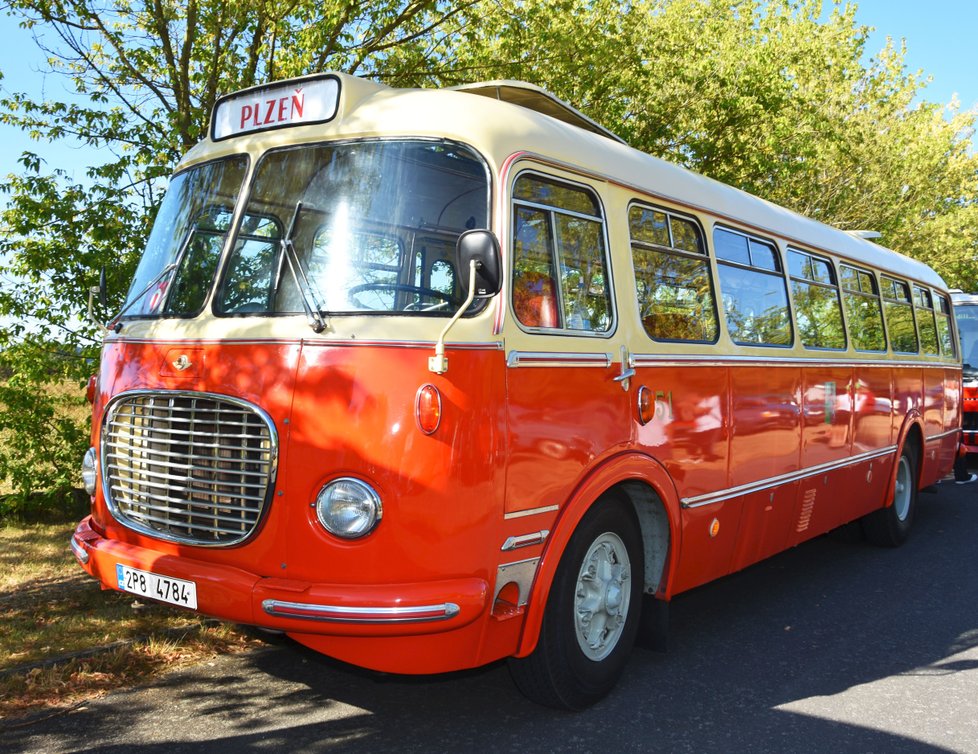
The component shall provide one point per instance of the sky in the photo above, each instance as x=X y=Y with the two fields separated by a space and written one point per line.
x=940 y=38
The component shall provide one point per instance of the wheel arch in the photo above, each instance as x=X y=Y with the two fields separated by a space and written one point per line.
x=647 y=486
x=912 y=434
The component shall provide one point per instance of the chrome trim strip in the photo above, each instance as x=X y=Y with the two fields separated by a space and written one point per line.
x=348 y=614
x=557 y=359
x=955 y=431
x=525 y=540
x=717 y=497
x=532 y=512
x=707 y=360
x=421 y=344
x=78 y=550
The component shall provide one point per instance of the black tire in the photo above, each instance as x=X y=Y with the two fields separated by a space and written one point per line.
x=890 y=526
x=581 y=653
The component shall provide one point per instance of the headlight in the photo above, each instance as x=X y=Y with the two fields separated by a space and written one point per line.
x=348 y=508
x=89 y=471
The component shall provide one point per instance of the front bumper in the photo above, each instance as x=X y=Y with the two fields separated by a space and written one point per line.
x=233 y=594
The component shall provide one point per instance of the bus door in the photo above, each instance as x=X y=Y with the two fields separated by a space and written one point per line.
x=564 y=376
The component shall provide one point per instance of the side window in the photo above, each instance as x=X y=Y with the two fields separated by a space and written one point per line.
x=672 y=276
x=560 y=268
x=815 y=294
x=899 y=315
x=944 y=337
x=752 y=288
x=926 y=325
x=861 y=300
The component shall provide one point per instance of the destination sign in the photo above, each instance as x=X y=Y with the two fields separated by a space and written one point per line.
x=291 y=103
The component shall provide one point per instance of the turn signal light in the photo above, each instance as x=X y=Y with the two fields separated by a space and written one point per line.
x=427 y=409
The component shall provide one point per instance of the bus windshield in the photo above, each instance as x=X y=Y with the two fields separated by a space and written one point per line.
x=176 y=271
x=373 y=226
x=967 y=317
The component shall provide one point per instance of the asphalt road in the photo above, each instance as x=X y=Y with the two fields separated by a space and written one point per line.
x=835 y=646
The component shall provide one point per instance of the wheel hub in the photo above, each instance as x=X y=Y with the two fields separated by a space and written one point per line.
x=602 y=596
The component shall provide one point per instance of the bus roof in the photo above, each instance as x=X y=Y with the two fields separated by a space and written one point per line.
x=507 y=118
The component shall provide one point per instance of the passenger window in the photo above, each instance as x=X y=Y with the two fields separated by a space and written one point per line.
x=899 y=315
x=943 y=313
x=815 y=295
x=560 y=271
x=863 y=312
x=752 y=289
x=924 y=305
x=672 y=276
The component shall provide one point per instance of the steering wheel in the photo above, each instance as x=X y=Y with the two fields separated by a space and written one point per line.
x=444 y=298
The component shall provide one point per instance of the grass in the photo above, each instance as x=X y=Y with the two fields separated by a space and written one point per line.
x=51 y=610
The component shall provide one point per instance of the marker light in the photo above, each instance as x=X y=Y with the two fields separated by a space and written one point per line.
x=427 y=408
x=348 y=508
x=646 y=406
x=89 y=471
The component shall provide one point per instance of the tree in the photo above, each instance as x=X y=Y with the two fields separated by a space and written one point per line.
x=766 y=96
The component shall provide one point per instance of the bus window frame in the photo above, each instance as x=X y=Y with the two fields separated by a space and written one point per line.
x=512 y=204
x=835 y=285
x=779 y=273
x=909 y=303
x=875 y=294
x=704 y=256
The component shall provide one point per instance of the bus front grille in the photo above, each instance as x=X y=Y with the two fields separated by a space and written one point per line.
x=193 y=468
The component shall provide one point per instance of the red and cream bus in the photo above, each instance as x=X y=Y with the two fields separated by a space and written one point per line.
x=429 y=378
x=966 y=315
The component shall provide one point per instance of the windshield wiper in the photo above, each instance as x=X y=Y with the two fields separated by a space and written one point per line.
x=114 y=321
x=309 y=302
x=170 y=268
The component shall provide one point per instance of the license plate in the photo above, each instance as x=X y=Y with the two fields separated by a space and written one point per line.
x=152 y=585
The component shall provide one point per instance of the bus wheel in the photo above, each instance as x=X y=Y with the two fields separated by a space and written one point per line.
x=592 y=613
x=889 y=527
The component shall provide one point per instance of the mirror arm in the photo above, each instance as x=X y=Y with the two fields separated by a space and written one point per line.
x=438 y=364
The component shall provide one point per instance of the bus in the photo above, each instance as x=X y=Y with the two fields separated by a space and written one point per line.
x=425 y=379
x=966 y=314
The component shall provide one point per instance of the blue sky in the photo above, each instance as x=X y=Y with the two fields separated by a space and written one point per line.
x=940 y=36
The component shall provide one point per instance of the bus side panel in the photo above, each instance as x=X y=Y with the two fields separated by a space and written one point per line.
x=908 y=395
x=766 y=444
x=690 y=434
x=824 y=499
x=562 y=420
x=940 y=451
x=873 y=411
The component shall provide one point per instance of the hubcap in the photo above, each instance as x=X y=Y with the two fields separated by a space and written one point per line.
x=602 y=597
x=903 y=491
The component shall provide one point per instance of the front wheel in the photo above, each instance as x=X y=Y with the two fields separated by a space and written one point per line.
x=592 y=613
x=890 y=526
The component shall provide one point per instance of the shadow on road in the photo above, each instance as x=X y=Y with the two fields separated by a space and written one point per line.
x=822 y=619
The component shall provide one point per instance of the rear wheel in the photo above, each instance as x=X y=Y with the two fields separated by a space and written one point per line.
x=890 y=526
x=592 y=613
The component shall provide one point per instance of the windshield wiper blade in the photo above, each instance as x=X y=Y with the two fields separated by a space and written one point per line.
x=309 y=302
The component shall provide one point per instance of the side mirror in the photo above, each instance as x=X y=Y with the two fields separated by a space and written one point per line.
x=482 y=247
x=103 y=296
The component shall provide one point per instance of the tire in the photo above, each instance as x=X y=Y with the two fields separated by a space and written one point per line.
x=890 y=526
x=592 y=613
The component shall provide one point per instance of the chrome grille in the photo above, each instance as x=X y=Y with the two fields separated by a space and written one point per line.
x=188 y=467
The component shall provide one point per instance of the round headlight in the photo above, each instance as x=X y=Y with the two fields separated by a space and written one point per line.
x=89 y=471
x=348 y=508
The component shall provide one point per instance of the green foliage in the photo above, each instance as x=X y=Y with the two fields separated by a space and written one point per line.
x=766 y=96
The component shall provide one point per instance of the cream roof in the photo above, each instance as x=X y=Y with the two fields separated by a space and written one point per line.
x=499 y=129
